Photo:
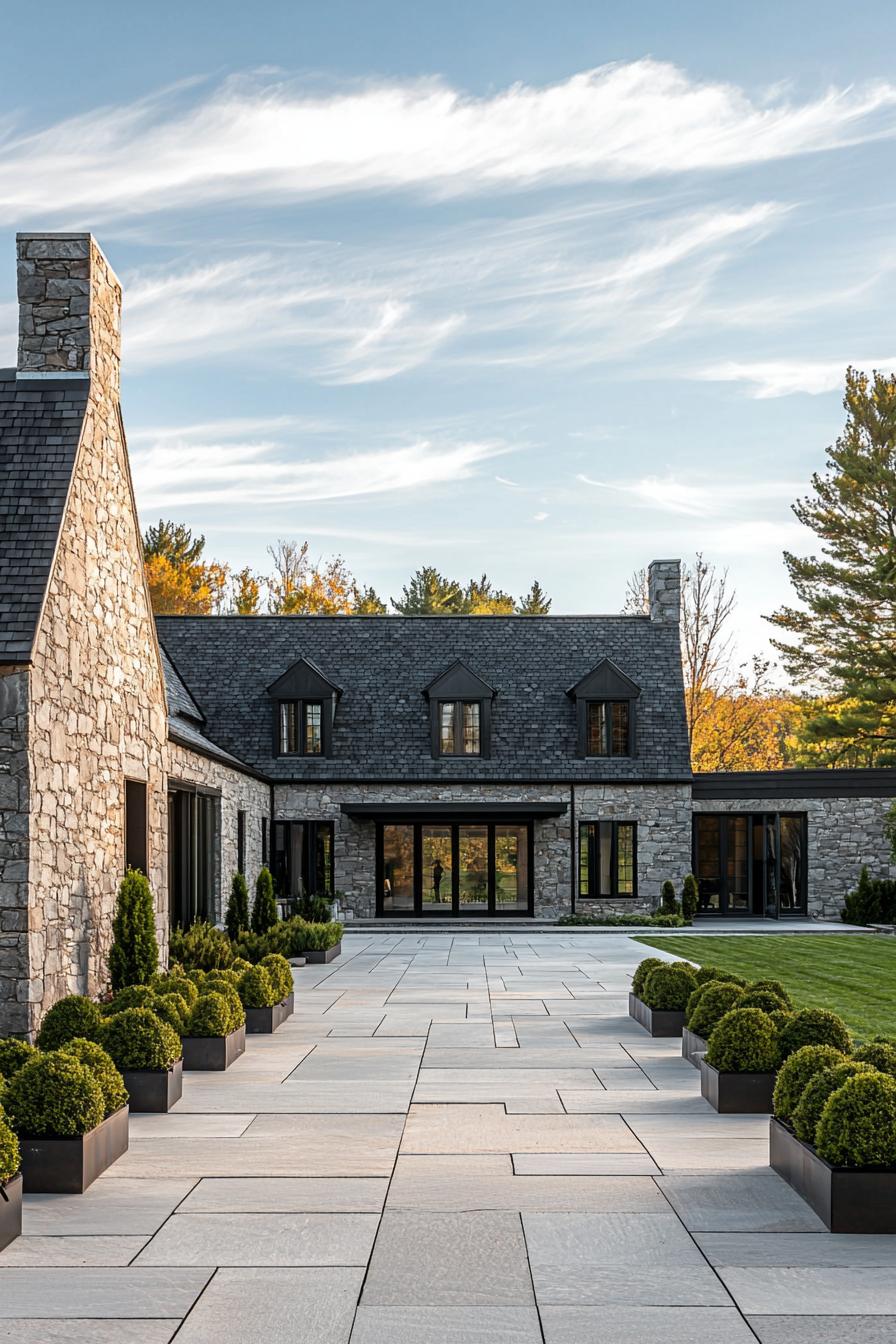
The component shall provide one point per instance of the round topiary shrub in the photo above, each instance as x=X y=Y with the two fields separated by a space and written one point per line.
x=223 y=977
x=197 y=975
x=100 y=1064
x=780 y=1017
x=693 y=1001
x=879 y=1054
x=815 y=1026
x=228 y=992
x=668 y=987
x=177 y=984
x=13 y=1054
x=280 y=971
x=132 y=996
x=858 y=1124
x=771 y=987
x=171 y=1008
x=764 y=1000
x=137 y=1039
x=10 y=1157
x=715 y=1002
x=68 y=1019
x=707 y=973
x=745 y=1041
x=210 y=1016
x=642 y=970
x=53 y=1096
x=240 y=964
x=795 y=1072
x=815 y=1094
x=257 y=990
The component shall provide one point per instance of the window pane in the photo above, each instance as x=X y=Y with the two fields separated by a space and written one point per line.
x=437 y=868
x=620 y=728
x=446 y=728
x=597 y=743
x=471 y=729
x=312 y=729
x=791 y=862
x=289 y=736
x=709 y=861
x=625 y=859
x=398 y=868
x=323 y=866
x=473 y=875
x=586 y=837
x=511 y=867
x=738 y=865
x=606 y=858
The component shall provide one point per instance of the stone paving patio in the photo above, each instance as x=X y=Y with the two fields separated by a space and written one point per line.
x=457 y=1138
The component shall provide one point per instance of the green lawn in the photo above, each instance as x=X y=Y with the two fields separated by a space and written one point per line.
x=854 y=976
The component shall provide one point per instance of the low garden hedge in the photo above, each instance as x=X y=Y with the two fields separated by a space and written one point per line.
x=858 y=1124
x=797 y=1070
x=201 y=947
x=669 y=986
x=321 y=937
x=70 y=1018
x=54 y=1096
x=744 y=1041
x=658 y=921
x=710 y=1004
x=136 y=1039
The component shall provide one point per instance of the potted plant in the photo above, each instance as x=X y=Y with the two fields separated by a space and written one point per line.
x=216 y=1029
x=74 y=1017
x=68 y=1121
x=262 y=991
x=13 y=1054
x=660 y=1007
x=737 y=1073
x=280 y=971
x=10 y=1184
x=848 y=1172
x=814 y=1026
x=148 y=1052
x=322 y=942
x=707 y=1005
x=134 y=955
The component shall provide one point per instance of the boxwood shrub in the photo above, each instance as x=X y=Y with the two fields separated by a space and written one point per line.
x=706 y=973
x=10 y=1157
x=772 y=987
x=171 y=1008
x=229 y=993
x=814 y=1026
x=100 y=1064
x=175 y=984
x=858 y=1124
x=667 y=988
x=745 y=1041
x=137 y=1039
x=795 y=1072
x=13 y=1054
x=715 y=1001
x=642 y=970
x=257 y=989
x=815 y=1094
x=880 y=1055
x=69 y=1018
x=763 y=999
x=132 y=996
x=210 y=1016
x=280 y=971
x=53 y=1096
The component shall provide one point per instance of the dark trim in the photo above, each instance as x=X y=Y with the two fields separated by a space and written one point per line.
x=435 y=728
x=593 y=854
x=177 y=785
x=467 y=811
x=583 y=705
x=457 y=910
x=327 y=711
x=219 y=755
x=796 y=784
x=436 y=781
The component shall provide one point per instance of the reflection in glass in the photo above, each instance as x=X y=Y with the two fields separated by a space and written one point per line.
x=709 y=862
x=471 y=728
x=398 y=868
x=473 y=867
x=313 y=744
x=437 y=867
x=511 y=868
x=738 y=865
x=446 y=728
x=791 y=890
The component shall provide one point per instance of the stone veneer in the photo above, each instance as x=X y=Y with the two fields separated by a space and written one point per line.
x=14 y=828
x=663 y=815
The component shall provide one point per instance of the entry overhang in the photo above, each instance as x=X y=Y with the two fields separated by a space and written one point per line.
x=453 y=811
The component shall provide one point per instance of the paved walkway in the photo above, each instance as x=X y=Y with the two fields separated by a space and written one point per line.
x=456 y=1138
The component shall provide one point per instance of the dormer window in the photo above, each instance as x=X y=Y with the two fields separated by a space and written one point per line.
x=304 y=708
x=608 y=728
x=301 y=728
x=606 y=700
x=460 y=728
x=460 y=713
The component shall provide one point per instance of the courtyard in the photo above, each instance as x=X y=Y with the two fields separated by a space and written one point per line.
x=457 y=1137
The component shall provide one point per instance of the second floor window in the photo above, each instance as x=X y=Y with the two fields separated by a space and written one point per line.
x=459 y=728
x=608 y=728
x=301 y=724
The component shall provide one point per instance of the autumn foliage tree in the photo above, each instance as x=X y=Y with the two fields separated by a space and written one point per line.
x=180 y=582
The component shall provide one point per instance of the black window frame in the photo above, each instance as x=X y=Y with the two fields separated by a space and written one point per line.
x=491 y=825
x=290 y=887
x=585 y=707
x=301 y=707
x=136 y=825
x=241 y=841
x=764 y=868
x=590 y=850
x=460 y=703
x=194 y=839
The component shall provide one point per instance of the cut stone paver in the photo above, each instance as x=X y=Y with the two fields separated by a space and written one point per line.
x=739 y=1202
x=435 y=1259
x=615 y=1324
x=88 y=1331
x=488 y=1128
x=299 y=1194
x=824 y=1329
x=266 y=1306
x=102 y=1293
x=446 y=1325
x=60 y=1251
x=263 y=1239
x=827 y=1291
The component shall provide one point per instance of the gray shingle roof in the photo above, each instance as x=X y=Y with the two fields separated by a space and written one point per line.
x=381 y=728
x=40 y=428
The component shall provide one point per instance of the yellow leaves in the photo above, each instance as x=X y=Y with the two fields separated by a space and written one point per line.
x=186 y=589
x=741 y=730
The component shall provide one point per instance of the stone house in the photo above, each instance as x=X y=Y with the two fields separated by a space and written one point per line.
x=454 y=767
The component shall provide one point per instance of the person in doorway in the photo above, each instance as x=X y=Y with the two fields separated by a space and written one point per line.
x=438 y=872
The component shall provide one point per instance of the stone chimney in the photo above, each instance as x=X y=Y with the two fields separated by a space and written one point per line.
x=69 y=309
x=664 y=591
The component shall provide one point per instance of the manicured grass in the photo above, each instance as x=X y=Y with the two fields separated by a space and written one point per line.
x=854 y=976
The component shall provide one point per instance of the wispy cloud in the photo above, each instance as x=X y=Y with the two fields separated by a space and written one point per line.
x=697 y=498
x=282 y=141
x=784 y=377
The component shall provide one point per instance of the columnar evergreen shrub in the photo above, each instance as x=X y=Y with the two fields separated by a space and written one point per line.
x=715 y=1001
x=134 y=955
x=642 y=970
x=858 y=1124
x=137 y=1039
x=264 y=909
x=69 y=1018
x=201 y=947
x=210 y=1016
x=669 y=903
x=100 y=1064
x=669 y=986
x=690 y=897
x=280 y=971
x=13 y=1054
x=872 y=902
x=745 y=1041
x=815 y=1026
x=53 y=1096
x=236 y=920
x=879 y=1054
x=10 y=1157
x=815 y=1094
x=314 y=909
x=795 y=1072
x=257 y=990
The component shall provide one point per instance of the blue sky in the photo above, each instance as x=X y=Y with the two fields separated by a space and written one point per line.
x=533 y=289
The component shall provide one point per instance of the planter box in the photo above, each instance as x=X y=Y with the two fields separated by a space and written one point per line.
x=264 y=1021
x=69 y=1166
x=203 y=1054
x=657 y=1022
x=154 y=1089
x=322 y=955
x=691 y=1046
x=736 y=1093
x=846 y=1199
x=10 y=1210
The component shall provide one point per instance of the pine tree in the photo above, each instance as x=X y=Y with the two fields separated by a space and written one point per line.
x=845 y=627
x=134 y=955
x=535 y=603
x=236 y=920
x=429 y=593
x=690 y=897
x=264 y=909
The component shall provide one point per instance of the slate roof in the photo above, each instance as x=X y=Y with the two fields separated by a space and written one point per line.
x=40 y=428
x=383 y=663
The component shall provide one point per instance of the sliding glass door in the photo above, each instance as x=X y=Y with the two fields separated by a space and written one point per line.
x=751 y=864
x=454 y=868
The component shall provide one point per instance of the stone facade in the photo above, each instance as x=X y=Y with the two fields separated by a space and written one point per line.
x=15 y=816
x=663 y=816
x=664 y=591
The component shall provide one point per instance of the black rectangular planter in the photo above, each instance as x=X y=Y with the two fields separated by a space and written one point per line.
x=691 y=1046
x=69 y=1166
x=10 y=1210
x=154 y=1089
x=846 y=1199
x=204 y=1054
x=736 y=1093
x=264 y=1021
x=322 y=954
x=657 y=1022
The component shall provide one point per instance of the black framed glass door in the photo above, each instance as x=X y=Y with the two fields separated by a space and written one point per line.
x=750 y=863
x=454 y=868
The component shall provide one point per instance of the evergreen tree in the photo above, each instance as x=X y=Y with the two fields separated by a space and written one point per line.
x=482 y=598
x=134 y=955
x=535 y=603
x=690 y=897
x=236 y=920
x=429 y=593
x=845 y=627
x=264 y=909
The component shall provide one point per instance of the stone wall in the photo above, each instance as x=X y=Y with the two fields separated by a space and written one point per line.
x=237 y=792
x=663 y=815
x=14 y=828
x=843 y=834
